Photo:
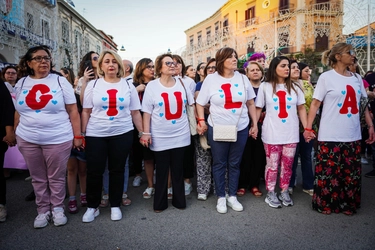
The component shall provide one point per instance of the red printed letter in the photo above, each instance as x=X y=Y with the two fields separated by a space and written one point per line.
x=282 y=104
x=31 y=100
x=112 y=107
x=350 y=102
x=168 y=114
x=229 y=104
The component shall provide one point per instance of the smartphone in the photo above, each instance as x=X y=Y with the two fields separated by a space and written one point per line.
x=88 y=66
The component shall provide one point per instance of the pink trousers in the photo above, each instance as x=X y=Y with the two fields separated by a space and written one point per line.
x=279 y=155
x=47 y=165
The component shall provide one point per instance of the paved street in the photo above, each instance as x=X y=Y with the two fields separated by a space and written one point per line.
x=197 y=227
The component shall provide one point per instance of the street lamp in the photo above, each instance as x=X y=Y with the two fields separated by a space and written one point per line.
x=169 y=51
x=122 y=48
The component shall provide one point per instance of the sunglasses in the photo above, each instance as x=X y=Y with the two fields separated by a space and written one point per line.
x=11 y=73
x=350 y=52
x=150 y=67
x=211 y=67
x=95 y=58
x=170 y=64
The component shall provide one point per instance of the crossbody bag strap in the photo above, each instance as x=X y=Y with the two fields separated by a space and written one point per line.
x=184 y=89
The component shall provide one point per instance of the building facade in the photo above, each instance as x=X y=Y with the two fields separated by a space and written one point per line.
x=28 y=23
x=272 y=27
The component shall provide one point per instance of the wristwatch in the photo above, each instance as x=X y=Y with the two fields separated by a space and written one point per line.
x=140 y=134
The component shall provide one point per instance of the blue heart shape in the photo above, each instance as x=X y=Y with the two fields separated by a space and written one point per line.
x=236 y=85
x=185 y=101
x=275 y=99
x=184 y=111
x=161 y=114
x=359 y=91
x=37 y=111
x=349 y=115
x=283 y=121
x=276 y=108
x=160 y=104
x=288 y=106
x=122 y=107
x=289 y=98
x=121 y=99
x=220 y=90
x=21 y=102
x=25 y=91
x=240 y=93
x=105 y=107
x=343 y=92
x=222 y=96
x=104 y=98
x=54 y=102
x=174 y=122
x=111 y=118
x=339 y=104
x=53 y=91
x=233 y=111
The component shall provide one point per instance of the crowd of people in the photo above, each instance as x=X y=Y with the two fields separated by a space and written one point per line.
x=229 y=127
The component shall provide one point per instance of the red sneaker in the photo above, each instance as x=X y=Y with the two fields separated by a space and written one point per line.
x=72 y=207
x=83 y=201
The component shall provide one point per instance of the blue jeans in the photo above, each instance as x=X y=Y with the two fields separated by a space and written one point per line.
x=126 y=178
x=303 y=150
x=227 y=155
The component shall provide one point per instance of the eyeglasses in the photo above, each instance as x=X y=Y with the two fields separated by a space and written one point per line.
x=41 y=58
x=211 y=67
x=170 y=64
x=10 y=73
x=201 y=67
x=95 y=58
x=350 y=52
x=150 y=67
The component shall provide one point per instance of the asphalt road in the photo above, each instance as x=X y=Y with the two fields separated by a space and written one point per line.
x=199 y=226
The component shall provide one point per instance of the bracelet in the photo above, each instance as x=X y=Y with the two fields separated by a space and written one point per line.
x=200 y=119
x=309 y=130
x=79 y=137
x=369 y=126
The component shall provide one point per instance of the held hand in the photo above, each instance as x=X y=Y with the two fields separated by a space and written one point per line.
x=201 y=127
x=10 y=139
x=145 y=140
x=253 y=132
x=78 y=143
x=309 y=135
x=371 y=137
x=141 y=88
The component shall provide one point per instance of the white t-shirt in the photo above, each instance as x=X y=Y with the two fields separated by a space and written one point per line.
x=281 y=123
x=341 y=96
x=227 y=97
x=41 y=105
x=188 y=83
x=111 y=104
x=169 y=122
x=9 y=87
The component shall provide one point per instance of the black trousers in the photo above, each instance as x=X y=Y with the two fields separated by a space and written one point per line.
x=136 y=155
x=115 y=149
x=253 y=162
x=189 y=160
x=171 y=159
x=3 y=190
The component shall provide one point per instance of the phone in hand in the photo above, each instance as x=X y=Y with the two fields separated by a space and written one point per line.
x=88 y=66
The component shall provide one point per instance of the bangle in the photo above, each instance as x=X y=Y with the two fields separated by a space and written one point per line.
x=309 y=130
x=369 y=126
x=79 y=137
x=83 y=133
x=200 y=119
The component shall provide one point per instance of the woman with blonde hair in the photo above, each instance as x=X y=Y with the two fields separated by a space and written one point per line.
x=110 y=106
x=337 y=186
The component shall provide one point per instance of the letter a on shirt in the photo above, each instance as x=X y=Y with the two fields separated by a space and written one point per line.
x=350 y=101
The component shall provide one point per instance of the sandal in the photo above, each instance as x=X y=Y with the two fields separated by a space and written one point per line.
x=125 y=200
x=256 y=192
x=241 y=192
x=105 y=201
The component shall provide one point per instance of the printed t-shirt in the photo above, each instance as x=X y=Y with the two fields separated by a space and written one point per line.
x=281 y=123
x=340 y=115
x=111 y=104
x=169 y=123
x=41 y=105
x=227 y=97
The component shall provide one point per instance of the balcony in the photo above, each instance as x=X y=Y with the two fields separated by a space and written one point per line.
x=279 y=12
x=248 y=23
x=329 y=7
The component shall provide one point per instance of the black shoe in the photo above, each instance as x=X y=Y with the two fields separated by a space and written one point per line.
x=30 y=197
x=370 y=174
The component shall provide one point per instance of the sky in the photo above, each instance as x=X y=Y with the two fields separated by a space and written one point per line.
x=146 y=28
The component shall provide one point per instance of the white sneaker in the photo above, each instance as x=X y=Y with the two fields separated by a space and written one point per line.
x=42 y=220
x=221 y=206
x=90 y=214
x=58 y=216
x=3 y=213
x=234 y=204
x=202 y=197
x=364 y=160
x=116 y=213
x=137 y=181
x=188 y=188
x=147 y=194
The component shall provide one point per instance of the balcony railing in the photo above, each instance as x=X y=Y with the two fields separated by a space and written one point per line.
x=248 y=23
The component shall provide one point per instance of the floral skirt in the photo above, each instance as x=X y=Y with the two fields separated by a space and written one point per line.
x=337 y=185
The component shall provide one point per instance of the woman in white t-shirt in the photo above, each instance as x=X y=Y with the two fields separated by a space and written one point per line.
x=166 y=130
x=46 y=119
x=337 y=186
x=110 y=104
x=231 y=103
x=280 y=130
x=87 y=72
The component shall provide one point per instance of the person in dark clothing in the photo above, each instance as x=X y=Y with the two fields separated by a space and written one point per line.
x=370 y=78
x=8 y=139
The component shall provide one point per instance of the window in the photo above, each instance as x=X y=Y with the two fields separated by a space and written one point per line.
x=98 y=50
x=208 y=34
x=87 y=45
x=191 y=41
x=321 y=39
x=30 y=22
x=250 y=13
x=283 y=6
x=284 y=39
x=216 y=28
x=199 y=37
x=65 y=32
x=45 y=29
x=225 y=25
